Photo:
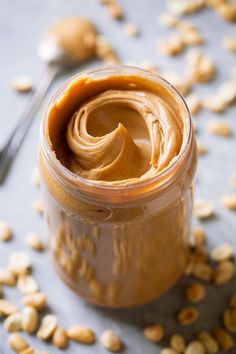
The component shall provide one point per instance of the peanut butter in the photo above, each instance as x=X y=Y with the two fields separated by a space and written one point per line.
x=120 y=133
x=117 y=159
x=76 y=36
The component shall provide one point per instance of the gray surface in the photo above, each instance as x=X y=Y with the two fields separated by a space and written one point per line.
x=21 y=23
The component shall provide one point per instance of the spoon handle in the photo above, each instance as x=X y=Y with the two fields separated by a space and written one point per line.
x=12 y=146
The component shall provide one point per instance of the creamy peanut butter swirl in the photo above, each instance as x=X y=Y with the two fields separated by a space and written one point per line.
x=117 y=130
x=123 y=134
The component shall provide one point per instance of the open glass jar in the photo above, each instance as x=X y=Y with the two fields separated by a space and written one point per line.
x=117 y=245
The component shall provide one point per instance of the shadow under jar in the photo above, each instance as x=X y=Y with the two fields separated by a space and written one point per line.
x=117 y=159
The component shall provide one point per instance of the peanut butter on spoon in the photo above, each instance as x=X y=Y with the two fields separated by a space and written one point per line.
x=76 y=36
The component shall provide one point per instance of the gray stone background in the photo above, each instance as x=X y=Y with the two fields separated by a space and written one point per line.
x=21 y=24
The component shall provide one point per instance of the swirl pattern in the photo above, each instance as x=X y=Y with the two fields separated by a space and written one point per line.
x=122 y=135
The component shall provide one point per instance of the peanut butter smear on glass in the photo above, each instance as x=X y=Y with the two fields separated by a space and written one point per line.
x=116 y=130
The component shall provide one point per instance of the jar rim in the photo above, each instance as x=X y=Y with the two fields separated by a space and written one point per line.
x=70 y=176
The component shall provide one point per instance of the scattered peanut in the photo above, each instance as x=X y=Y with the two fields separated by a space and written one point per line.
x=203 y=271
x=7 y=308
x=29 y=320
x=37 y=300
x=59 y=338
x=195 y=292
x=188 y=316
x=111 y=341
x=228 y=201
x=201 y=148
x=227 y=92
x=19 y=263
x=153 y=333
x=105 y=51
x=30 y=350
x=184 y=7
x=168 y=20
x=13 y=322
x=38 y=206
x=33 y=241
x=5 y=231
x=81 y=334
x=194 y=103
x=227 y=10
x=195 y=347
x=115 y=11
x=225 y=95
x=229 y=43
x=198 y=236
x=27 y=284
x=177 y=343
x=214 y=103
x=222 y=252
x=22 y=84
x=168 y=351
x=208 y=341
x=48 y=327
x=171 y=46
x=224 y=271
x=230 y=320
x=17 y=343
x=131 y=30
x=200 y=68
x=217 y=127
x=223 y=338
x=202 y=209
x=7 y=277
x=189 y=34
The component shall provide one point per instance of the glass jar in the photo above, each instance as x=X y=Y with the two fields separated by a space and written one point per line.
x=119 y=246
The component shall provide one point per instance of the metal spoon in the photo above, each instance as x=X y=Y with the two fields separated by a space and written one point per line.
x=56 y=61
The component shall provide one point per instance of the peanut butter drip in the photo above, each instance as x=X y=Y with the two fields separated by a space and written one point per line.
x=116 y=132
x=120 y=135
